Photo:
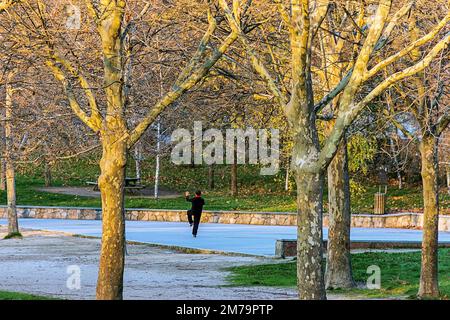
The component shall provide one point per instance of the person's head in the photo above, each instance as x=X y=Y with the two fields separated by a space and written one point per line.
x=198 y=193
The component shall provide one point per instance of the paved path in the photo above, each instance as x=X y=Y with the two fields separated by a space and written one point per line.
x=247 y=239
x=90 y=193
x=39 y=263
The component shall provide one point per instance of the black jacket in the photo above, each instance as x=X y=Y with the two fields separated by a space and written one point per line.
x=197 y=204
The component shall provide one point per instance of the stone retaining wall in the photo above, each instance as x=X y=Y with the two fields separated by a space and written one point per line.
x=396 y=220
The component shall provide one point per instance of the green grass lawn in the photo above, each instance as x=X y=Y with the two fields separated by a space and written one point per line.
x=400 y=273
x=7 y=295
x=256 y=192
x=406 y=199
x=28 y=195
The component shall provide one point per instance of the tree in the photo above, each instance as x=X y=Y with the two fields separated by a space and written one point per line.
x=112 y=22
x=309 y=159
x=429 y=109
x=333 y=66
x=2 y=158
x=429 y=129
x=7 y=179
x=13 y=224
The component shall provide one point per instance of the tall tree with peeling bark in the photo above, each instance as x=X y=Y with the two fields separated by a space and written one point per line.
x=5 y=5
x=338 y=273
x=13 y=224
x=112 y=21
x=430 y=127
x=429 y=107
x=333 y=66
x=309 y=159
x=2 y=157
x=8 y=178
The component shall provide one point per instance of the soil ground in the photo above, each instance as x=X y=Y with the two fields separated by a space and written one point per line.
x=38 y=264
x=89 y=192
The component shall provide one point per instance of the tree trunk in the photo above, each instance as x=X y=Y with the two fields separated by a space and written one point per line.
x=448 y=179
x=211 y=177
x=13 y=225
x=137 y=160
x=48 y=174
x=2 y=173
x=429 y=269
x=339 y=268
x=2 y=155
x=400 y=180
x=111 y=184
x=158 y=150
x=310 y=278
x=286 y=181
x=114 y=158
x=234 y=186
x=396 y=163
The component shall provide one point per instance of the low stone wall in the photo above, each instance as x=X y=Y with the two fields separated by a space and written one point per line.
x=396 y=220
x=405 y=220
x=227 y=217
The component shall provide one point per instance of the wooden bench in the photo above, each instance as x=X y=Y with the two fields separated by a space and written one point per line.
x=134 y=188
x=133 y=184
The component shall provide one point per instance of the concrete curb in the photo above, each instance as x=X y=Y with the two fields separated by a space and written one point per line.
x=181 y=249
x=285 y=248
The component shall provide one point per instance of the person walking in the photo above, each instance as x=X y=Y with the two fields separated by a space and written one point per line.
x=195 y=213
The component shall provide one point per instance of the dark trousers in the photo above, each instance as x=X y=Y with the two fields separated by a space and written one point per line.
x=194 y=219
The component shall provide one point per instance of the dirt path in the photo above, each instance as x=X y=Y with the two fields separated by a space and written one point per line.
x=89 y=192
x=38 y=264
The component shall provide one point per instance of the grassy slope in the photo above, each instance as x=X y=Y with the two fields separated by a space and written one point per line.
x=6 y=295
x=257 y=193
x=400 y=273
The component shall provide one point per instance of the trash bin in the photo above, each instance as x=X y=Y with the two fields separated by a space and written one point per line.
x=380 y=203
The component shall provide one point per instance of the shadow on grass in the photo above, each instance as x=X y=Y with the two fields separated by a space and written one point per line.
x=400 y=274
x=14 y=235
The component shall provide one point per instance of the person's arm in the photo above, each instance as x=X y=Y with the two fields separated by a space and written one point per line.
x=186 y=194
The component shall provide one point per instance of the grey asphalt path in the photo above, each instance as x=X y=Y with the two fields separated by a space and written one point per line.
x=246 y=239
